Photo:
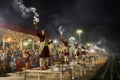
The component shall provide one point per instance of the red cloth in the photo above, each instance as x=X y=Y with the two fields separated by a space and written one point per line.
x=65 y=52
x=18 y=64
x=27 y=52
x=45 y=52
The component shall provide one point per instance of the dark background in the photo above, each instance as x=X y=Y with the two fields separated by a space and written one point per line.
x=99 y=19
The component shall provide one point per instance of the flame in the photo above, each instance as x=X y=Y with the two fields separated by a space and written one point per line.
x=35 y=23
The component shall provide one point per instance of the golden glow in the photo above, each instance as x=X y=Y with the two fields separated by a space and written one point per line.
x=55 y=41
x=79 y=31
x=29 y=40
x=9 y=39
x=25 y=43
x=43 y=32
x=35 y=24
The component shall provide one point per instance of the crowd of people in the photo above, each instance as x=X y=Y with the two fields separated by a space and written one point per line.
x=14 y=59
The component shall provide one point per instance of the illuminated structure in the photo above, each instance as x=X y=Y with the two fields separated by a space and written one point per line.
x=79 y=31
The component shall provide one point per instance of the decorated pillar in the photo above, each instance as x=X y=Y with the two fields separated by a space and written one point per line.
x=3 y=42
x=21 y=42
x=33 y=43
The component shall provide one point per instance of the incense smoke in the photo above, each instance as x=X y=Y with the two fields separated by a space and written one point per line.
x=19 y=6
x=60 y=30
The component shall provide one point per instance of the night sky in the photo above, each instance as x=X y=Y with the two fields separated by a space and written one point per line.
x=99 y=19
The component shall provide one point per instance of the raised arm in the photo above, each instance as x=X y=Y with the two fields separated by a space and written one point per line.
x=37 y=33
x=40 y=35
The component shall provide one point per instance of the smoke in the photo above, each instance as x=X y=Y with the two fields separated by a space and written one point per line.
x=101 y=41
x=60 y=29
x=20 y=7
x=102 y=44
x=59 y=25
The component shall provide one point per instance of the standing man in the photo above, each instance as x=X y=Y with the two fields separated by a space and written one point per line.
x=65 y=49
x=65 y=46
x=44 y=50
x=52 y=51
x=76 y=52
